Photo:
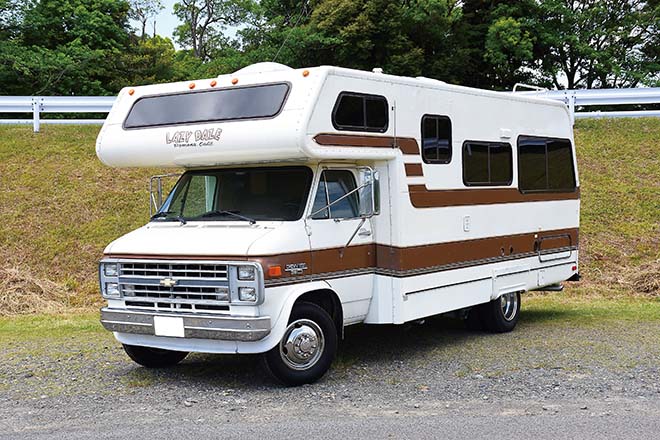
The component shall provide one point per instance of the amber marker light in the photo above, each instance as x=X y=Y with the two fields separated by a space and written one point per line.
x=191 y=86
x=305 y=73
x=214 y=83
x=275 y=271
x=131 y=91
x=234 y=81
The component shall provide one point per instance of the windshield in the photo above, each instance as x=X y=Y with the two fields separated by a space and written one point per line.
x=246 y=194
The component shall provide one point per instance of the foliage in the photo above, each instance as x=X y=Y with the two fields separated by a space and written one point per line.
x=142 y=10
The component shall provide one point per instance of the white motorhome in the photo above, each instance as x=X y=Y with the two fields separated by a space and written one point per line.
x=313 y=199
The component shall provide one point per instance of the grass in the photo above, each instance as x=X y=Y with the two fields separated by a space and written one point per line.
x=59 y=208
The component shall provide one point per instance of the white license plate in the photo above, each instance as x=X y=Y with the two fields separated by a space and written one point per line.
x=168 y=326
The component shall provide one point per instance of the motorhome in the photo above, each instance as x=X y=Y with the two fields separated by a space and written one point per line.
x=314 y=199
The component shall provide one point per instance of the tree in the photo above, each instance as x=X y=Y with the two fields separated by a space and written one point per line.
x=203 y=23
x=142 y=10
x=597 y=43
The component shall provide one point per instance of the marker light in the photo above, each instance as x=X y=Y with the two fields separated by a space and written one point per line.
x=214 y=83
x=246 y=273
x=305 y=73
x=234 y=81
x=274 y=271
x=191 y=86
x=131 y=91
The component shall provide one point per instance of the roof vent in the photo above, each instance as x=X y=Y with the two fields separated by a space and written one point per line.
x=264 y=67
x=377 y=70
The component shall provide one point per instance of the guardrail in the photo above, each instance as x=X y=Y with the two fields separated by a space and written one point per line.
x=54 y=104
x=574 y=99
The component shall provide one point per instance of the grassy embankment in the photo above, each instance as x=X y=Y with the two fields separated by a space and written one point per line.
x=59 y=207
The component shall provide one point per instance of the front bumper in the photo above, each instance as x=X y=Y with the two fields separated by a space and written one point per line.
x=227 y=328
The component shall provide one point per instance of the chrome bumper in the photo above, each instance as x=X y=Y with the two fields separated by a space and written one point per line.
x=227 y=328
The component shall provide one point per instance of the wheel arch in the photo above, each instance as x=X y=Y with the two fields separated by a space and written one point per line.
x=328 y=300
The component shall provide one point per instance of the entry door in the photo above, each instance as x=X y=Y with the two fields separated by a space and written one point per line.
x=348 y=269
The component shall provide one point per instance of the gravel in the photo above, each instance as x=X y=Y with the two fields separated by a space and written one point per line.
x=417 y=381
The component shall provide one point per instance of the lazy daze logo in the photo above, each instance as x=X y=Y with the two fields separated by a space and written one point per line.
x=197 y=138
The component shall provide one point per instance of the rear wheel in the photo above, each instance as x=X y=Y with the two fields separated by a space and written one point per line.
x=307 y=348
x=154 y=357
x=501 y=314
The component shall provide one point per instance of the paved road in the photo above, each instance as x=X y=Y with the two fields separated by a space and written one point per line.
x=549 y=379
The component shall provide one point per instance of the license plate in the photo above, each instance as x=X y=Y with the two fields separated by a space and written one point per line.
x=168 y=326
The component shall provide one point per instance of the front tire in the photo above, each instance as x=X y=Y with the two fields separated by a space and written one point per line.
x=154 y=357
x=501 y=314
x=307 y=348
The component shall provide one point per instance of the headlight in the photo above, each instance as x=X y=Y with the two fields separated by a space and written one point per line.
x=110 y=269
x=246 y=273
x=112 y=290
x=247 y=294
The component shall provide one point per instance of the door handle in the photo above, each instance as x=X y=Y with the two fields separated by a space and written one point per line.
x=364 y=233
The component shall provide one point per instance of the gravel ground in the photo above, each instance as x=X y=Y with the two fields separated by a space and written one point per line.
x=550 y=378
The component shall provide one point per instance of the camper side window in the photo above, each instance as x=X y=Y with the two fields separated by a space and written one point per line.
x=545 y=164
x=487 y=163
x=333 y=185
x=436 y=139
x=360 y=112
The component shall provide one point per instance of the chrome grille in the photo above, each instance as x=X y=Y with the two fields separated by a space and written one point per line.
x=185 y=270
x=200 y=287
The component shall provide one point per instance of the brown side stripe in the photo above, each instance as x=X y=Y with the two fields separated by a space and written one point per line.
x=414 y=169
x=421 y=197
x=402 y=261
x=406 y=145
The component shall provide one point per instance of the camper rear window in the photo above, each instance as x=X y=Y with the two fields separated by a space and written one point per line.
x=264 y=101
x=360 y=112
x=487 y=163
x=545 y=164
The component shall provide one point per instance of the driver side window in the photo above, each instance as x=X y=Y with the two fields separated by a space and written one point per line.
x=332 y=186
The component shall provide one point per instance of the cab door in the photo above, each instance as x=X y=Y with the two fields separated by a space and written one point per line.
x=342 y=239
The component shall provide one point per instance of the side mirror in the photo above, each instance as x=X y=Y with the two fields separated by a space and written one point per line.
x=369 y=193
x=156 y=192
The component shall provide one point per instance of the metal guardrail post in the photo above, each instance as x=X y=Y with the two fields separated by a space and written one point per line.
x=36 y=108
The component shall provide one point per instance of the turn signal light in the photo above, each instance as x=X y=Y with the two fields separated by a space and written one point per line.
x=274 y=271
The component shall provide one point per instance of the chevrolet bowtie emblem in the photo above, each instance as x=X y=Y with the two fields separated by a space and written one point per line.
x=168 y=282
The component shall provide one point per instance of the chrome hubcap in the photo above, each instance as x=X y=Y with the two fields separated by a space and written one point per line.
x=509 y=304
x=302 y=344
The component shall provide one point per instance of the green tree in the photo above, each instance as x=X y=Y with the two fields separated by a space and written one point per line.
x=203 y=23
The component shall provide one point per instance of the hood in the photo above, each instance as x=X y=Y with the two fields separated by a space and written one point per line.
x=193 y=238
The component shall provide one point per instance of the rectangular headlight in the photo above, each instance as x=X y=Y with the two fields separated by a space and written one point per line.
x=247 y=294
x=112 y=290
x=246 y=273
x=110 y=269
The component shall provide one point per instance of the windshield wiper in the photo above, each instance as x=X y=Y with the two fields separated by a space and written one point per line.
x=164 y=214
x=220 y=212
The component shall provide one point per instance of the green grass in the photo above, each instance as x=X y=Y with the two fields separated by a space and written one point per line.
x=59 y=206
x=19 y=328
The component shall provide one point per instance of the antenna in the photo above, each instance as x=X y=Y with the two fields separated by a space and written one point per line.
x=304 y=12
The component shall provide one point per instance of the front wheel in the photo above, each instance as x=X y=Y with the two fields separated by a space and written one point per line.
x=307 y=348
x=154 y=357
x=501 y=314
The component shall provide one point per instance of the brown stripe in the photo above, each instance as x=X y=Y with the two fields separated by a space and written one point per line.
x=421 y=197
x=414 y=169
x=401 y=259
x=406 y=145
